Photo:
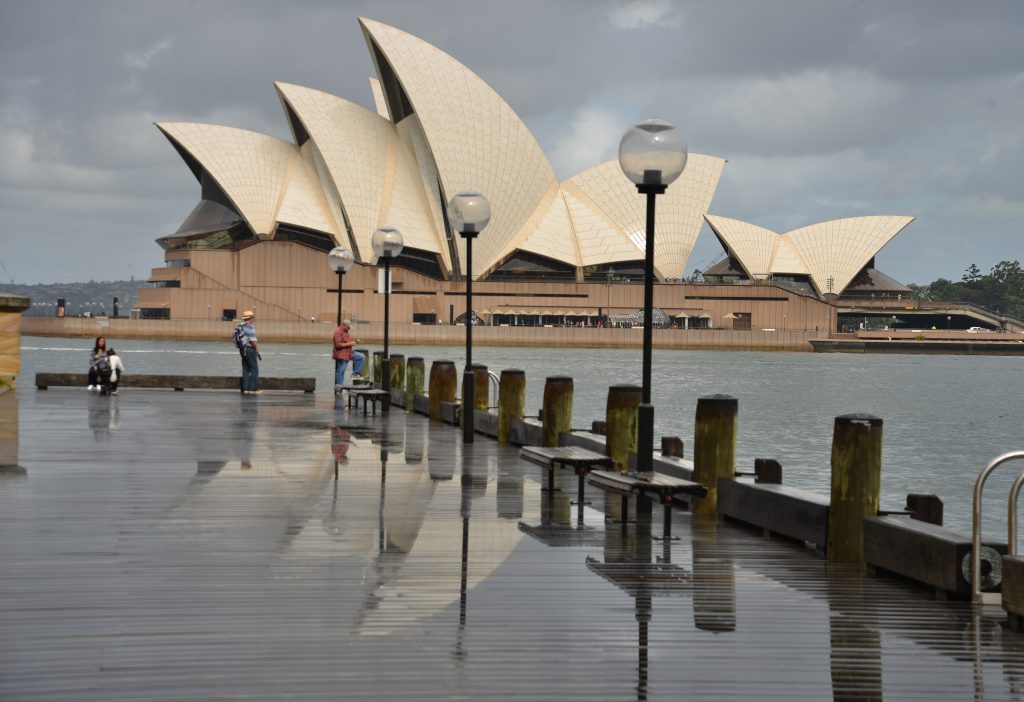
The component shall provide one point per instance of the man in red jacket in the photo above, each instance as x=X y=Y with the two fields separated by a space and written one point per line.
x=343 y=353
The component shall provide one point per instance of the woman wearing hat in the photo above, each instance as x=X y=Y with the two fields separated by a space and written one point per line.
x=250 y=351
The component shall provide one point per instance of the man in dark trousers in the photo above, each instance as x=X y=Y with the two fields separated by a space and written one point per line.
x=250 y=351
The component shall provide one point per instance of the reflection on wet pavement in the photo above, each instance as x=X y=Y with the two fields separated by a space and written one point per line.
x=190 y=546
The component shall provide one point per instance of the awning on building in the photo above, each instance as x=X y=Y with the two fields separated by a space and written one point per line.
x=535 y=312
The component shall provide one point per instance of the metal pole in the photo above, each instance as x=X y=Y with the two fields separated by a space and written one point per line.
x=341 y=274
x=467 y=375
x=645 y=427
x=385 y=362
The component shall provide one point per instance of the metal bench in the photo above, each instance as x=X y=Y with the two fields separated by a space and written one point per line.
x=581 y=460
x=650 y=486
x=368 y=396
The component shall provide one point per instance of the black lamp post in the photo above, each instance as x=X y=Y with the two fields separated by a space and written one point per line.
x=387 y=243
x=340 y=261
x=652 y=154
x=469 y=212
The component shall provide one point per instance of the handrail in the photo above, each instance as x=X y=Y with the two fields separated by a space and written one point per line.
x=1011 y=516
x=979 y=484
x=496 y=385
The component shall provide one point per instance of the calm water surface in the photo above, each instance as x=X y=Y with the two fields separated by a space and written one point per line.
x=945 y=416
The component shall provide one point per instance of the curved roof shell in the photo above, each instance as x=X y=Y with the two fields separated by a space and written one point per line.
x=264 y=177
x=477 y=141
x=372 y=172
x=831 y=253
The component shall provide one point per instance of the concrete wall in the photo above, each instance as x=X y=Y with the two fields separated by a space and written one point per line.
x=284 y=281
x=426 y=334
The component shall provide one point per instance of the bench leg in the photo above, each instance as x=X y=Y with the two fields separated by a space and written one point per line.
x=551 y=481
x=625 y=511
x=666 y=530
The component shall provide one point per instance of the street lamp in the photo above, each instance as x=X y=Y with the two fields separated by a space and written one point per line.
x=387 y=243
x=469 y=212
x=340 y=261
x=652 y=154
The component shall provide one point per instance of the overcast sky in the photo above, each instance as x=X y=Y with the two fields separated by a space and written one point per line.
x=824 y=109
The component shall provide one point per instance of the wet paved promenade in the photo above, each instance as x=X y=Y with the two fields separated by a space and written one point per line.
x=184 y=546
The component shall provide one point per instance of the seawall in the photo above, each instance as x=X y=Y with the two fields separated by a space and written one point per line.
x=441 y=335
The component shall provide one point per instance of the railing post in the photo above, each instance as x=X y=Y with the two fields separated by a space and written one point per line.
x=442 y=386
x=621 y=424
x=556 y=413
x=511 y=400
x=714 y=447
x=856 y=484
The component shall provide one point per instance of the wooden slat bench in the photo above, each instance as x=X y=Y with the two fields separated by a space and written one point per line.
x=581 y=460
x=651 y=486
x=177 y=382
x=368 y=396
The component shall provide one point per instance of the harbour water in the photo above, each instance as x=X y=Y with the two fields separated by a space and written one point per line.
x=945 y=416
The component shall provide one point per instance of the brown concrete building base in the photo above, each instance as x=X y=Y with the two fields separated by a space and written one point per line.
x=440 y=334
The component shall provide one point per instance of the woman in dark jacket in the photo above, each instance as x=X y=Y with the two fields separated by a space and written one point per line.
x=99 y=350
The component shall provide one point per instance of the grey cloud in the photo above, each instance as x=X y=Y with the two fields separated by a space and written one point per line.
x=823 y=109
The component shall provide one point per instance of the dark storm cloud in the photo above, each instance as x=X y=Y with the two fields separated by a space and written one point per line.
x=823 y=109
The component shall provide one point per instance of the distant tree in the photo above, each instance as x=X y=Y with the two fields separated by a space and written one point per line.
x=919 y=292
x=696 y=277
x=1002 y=289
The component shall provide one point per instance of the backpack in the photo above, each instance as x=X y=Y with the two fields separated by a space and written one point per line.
x=103 y=368
x=240 y=338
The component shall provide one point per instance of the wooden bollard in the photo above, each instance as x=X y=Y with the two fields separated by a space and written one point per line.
x=481 y=387
x=378 y=365
x=397 y=371
x=511 y=400
x=621 y=424
x=767 y=470
x=413 y=381
x=443 y=384
x=714 y=447
x=556 y=413
x=672 y=446
x=856 y=483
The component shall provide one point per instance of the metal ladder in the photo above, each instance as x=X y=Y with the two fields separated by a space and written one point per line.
x=977 y=596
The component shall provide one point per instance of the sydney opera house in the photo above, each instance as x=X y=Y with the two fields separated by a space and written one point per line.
x=555 y=252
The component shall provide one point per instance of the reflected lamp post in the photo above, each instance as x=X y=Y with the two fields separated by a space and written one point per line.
x=652 y=154
x=340 y=261
x=387 y=243
x=469 y=212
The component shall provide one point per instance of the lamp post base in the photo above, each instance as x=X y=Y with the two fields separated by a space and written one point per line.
x=468 y=383
x=645 y=438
